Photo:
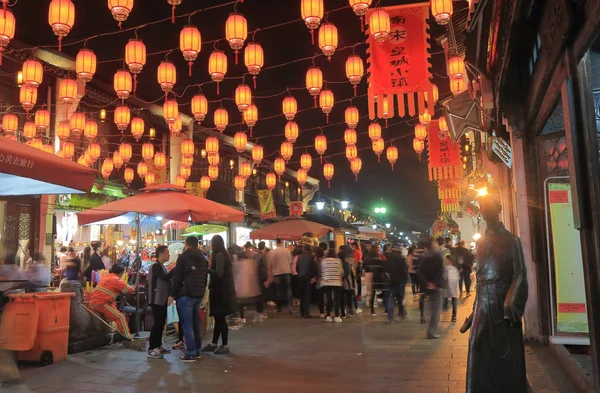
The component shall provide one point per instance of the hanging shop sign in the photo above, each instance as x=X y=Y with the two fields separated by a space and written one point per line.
x=194 y=188
x=266 y=204
x=400 y=66
x=296 y=208
x=502 y=150
x=570 y=304
x=449 y=193
x=444 y=156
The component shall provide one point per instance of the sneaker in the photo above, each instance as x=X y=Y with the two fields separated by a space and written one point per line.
x=373 y=314
x=155 y=354
x=322 y=315
x=198 y=357
x=178 y=345
x=258 y=318
x=187 y=358
x=222 y=350
x=328 y=319
x=359 y=310
x=164 y=350
x=337 y=320
x=433 y=337
x=210 y=347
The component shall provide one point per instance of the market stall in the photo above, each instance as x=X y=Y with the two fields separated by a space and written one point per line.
x=291 y=228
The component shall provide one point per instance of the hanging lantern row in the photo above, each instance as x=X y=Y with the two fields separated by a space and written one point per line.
x=418 y=146
x=28 y=97
x=204 y=185
x=117 y=159
x=42 y=120
x=457 y=85
x=77 y=124
x=135 y=58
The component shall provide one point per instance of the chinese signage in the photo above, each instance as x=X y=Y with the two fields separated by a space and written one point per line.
x=194 y=188
x=8 y=159
x=444 y=155
x=296 y=208
x=265 y=202
x=449 y=193
x=570 y=304
x=400 y=66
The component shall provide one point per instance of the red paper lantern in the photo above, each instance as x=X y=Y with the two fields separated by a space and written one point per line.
x=291 y=131
x=326 y=101
x=33 y=73
x=425 y=118
x=351 y=116
x=250 y=116
x=379 y=25
x=63 y=130
x=147 y=151
x=187 y=161
x=77 y=123
x=10 y=123
x=420 y=132
x=214 y=159
x=301 y=176
x=212 y=145
x=150 y=178
x=328 y=172
x=254 y=58
x=287 y=150
x=374 y=130
x=190 y=43
x=117 y=159
x=38 y=144
x=29 y=130
x=122 y=117
x=457 y=85
x=7 y=29
x=174 y=3
x=137 y=127
x=213 y=172
x=236 y=32
x=142 y=169
x=126 y=152
x=378 y=146
x=135 y=55
x=85 y=64
x=68 y=150
x=176 y=127
x=314 y=82
x=42 y=120
x=107 y=168
x=271 y=181
x=245 y=170
x=321 y=145
x=205 y=184
x=122 y=84
x=351 y=151
x=243 y=97
x=356 y=166
x=180 y=181
x=328 y=39
x=120 y=9
x=239 y=182
x=67 y=91
x=289 y=107
x=392 y=155
x=128 y=175
x=240 y=140
x=354 y=70
x=221 y=118
x=418 y=146
x=441 y=11
x=350 y=136
x=199 y=107
x=170 y=111
x=217 y=66
x=94 y=150
x=279 y=166
x=257 y=154
x=160 y=160
x=90 y=130
x=306 y=161
x=166 y=75
x=61 y=17
x=28 y=97
x=456 y=67
x=187 y=148
x=312 y=13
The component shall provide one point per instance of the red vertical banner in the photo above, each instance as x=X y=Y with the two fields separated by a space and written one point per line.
x=444 y=155
x=296 y=208
x=400 y=66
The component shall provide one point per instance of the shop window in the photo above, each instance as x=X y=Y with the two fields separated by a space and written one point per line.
x=555 y=154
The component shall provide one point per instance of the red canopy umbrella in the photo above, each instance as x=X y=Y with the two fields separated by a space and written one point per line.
x=25 y=170
x=292 y=228
x=165 y=200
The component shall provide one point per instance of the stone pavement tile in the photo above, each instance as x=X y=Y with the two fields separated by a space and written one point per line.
x=444 y=384
x=395 y=389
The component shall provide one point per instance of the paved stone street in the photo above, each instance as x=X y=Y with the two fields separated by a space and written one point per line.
x=284 y=354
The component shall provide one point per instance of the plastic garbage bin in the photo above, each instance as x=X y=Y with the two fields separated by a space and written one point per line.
x=37 y=326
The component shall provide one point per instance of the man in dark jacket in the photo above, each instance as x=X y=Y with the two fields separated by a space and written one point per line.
x=189 y=285
x=465 y=260
x=159 y=288
x=306 y=269
x=96 y=263
x=397 y=269
x=432 y=272
x=373 y=264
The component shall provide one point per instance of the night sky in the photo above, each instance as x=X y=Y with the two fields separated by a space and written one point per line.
x=407 y=193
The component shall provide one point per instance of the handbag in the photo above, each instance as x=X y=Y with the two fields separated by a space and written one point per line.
x=172 y=315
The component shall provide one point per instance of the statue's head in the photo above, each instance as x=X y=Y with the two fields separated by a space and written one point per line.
x=490 y=205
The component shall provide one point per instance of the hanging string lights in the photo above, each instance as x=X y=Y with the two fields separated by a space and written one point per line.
x=354 y=70
x=328 y=39
x=190 y=44
x=289 y=107
x=217 y=67
x=257 y=154
x=7 y=29
x=379 y=25
x=61 y=17
x=441 y=11
x=199 y=106
x=392 y=155
x=312 y=13
x=120 y=9
x=360 y=8
x=85 y=64
x=328 y=172
x=314 y=82
x=291 y=131
x=326 y=101
x=254 y=59
x=236 y=32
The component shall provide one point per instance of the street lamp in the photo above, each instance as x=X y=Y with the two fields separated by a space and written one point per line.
x=380 y=210
x=401 y=233
x=344 y=204
x=388 y=225
x=320 y=205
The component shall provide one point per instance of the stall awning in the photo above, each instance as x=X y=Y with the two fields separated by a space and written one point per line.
x=292 y=228
x=25 y=170
x=331 y=221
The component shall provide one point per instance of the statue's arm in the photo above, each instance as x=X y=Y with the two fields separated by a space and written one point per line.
x=514 y=303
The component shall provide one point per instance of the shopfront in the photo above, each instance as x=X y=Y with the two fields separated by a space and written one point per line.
x=20 y=231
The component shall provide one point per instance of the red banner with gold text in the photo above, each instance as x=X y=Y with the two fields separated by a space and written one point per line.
x=400 y=66
x=444 y=155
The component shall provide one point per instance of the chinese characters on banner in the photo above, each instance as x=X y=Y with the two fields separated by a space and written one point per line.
x=9 y=159
x=296 y=208
x=449 y=193
x=400 y=66
x=160 y=173
x=194 y=188
x=444 y=156
x=266 y=205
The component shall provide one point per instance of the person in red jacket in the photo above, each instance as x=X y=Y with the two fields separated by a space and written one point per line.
x=103 y=300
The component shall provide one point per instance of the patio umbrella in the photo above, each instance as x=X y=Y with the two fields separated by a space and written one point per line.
x=204 y=229
x=292 y=228
x=165 y=200
x=25 y=170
